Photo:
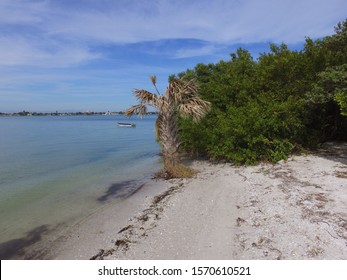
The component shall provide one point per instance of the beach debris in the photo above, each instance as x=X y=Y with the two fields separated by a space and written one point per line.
x=123 y=244
x=341 y=174
x=265 y=244
x=102 y=253
x=125 y=228
x=239 y=221
x=141 y=224
x=314 y=252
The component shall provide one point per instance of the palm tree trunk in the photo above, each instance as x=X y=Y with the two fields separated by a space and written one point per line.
x=170 y=143
x=172 y=164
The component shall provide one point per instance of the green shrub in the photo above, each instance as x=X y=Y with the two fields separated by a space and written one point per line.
x=263 y=110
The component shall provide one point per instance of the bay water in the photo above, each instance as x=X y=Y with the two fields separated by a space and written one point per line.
x=56 y=170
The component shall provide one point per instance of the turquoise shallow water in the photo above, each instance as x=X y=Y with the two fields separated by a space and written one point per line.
x=56 y=170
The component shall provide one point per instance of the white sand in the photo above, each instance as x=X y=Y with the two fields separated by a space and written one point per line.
x=295 y=209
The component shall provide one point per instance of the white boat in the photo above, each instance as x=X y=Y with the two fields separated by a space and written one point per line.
x=122 y=124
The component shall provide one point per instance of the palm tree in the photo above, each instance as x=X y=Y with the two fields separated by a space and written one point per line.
x=180 y=99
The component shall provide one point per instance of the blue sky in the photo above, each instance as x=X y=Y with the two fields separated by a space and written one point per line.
x=79 y=55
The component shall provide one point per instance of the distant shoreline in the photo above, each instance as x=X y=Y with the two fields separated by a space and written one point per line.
x=35 y=114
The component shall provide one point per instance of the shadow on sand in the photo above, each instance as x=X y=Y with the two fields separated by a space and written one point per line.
x=121 y=190
x=335 y=151
x=16 y=247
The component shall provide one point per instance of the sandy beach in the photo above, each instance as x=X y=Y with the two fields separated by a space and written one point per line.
x=295 y=209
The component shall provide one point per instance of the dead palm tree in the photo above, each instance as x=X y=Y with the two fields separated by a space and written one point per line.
x=180 y=99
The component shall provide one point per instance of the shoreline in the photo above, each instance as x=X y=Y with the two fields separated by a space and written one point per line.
x=45 y=241
x=81 y=240
x=295 y=209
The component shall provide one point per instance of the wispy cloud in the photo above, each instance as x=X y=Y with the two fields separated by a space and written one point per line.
x=206 y=50
x=16 y=50
x=223 y=21
x=123 y=41
x=22 y=11
x=62 y=32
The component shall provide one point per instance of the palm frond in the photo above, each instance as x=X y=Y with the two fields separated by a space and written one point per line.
x=154 y=82
x=146 y=97
x=153 y=79
x=195 y=108
x=188 y=88
x=139 y=109
x=180 y=90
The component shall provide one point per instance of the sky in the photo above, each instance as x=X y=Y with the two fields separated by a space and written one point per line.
x=89 y=55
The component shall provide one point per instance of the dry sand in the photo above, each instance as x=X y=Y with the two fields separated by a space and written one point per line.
x=295 y=209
